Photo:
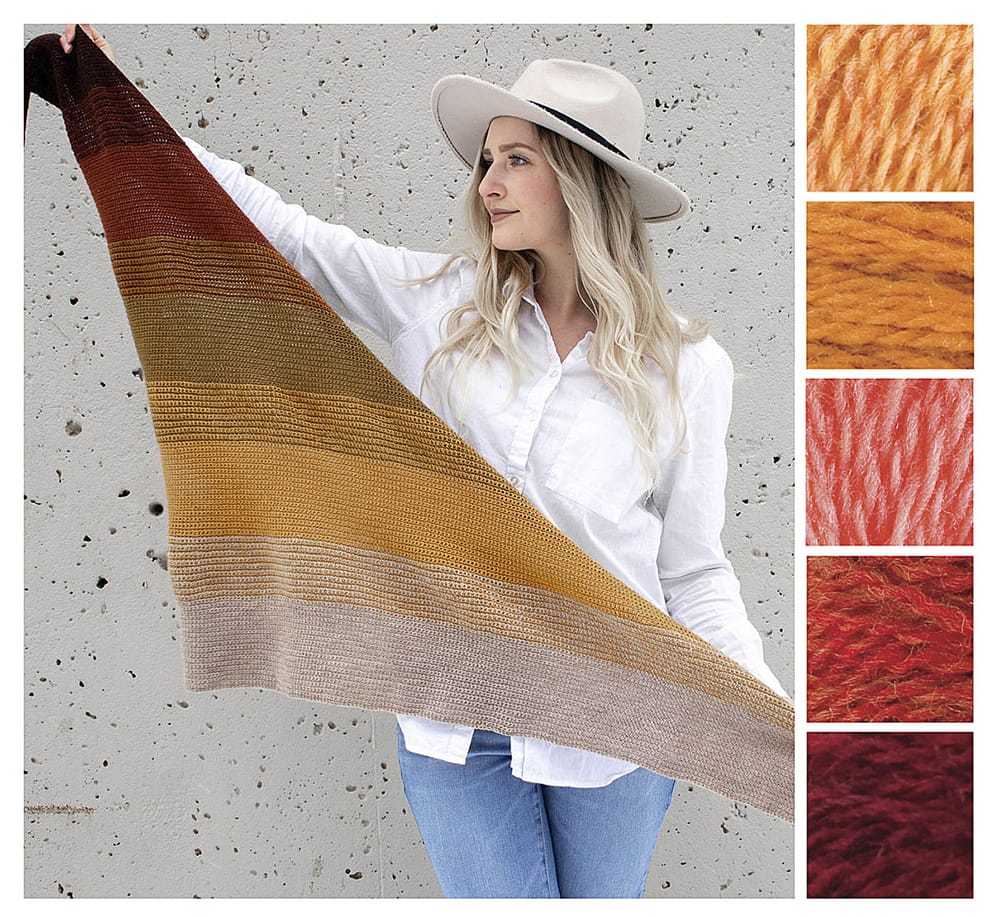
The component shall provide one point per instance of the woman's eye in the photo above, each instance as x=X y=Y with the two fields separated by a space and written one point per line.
x=515 y=159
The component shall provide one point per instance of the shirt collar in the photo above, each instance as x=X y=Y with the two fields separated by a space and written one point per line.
x=528 y=298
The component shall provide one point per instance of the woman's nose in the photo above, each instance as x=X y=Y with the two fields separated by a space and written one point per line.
x=489 y=186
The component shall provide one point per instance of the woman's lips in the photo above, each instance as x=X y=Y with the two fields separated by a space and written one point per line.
x=497 y=215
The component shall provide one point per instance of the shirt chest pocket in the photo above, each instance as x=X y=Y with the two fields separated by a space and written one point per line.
x=596 y=464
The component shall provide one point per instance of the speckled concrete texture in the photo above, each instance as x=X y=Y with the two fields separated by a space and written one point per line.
x=135 y=787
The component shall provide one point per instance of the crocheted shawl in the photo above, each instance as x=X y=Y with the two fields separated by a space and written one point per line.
x=331 y=538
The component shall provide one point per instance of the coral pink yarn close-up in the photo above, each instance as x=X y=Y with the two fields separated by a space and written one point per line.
x=889 y=815
x=888 y=461
x=889 y=639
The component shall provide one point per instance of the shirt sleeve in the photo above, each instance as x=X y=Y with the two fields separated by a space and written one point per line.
x=363 y=281
x=699 y=586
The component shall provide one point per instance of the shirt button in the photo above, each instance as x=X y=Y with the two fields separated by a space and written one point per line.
x=553 y=373
x=515 y=480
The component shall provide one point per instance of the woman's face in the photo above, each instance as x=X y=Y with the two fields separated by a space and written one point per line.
x=520 y=190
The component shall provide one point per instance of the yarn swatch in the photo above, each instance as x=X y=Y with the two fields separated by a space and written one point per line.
x=330 y=537
x=889 y=639
x=888 y=461
x=889 y=108
x=889 y=815
x=889 y=285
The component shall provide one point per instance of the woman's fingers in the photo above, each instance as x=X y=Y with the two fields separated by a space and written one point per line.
x=69 y=35
x=66 y=39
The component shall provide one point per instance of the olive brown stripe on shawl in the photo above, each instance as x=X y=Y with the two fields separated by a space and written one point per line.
x=332 y=538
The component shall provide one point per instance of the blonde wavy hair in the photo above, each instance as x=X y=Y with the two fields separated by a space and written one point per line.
x=615 y=279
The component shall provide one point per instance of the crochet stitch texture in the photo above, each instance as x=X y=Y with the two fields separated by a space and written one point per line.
x=889 y=108
x=331 y=538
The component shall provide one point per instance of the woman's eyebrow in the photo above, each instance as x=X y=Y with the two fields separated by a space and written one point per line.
x=504 y=147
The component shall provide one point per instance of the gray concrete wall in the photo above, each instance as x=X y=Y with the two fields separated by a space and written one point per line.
x=135 y=787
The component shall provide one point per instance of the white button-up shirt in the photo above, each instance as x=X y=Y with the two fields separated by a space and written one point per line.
x=561 y=440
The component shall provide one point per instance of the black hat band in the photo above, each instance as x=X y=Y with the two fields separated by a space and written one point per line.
x=582 y=128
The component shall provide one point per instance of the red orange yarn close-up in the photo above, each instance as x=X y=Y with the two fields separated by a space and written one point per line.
x=889 y=284
x=889 y=108
x=889 y=639
x=889 y=461
x=889 y=815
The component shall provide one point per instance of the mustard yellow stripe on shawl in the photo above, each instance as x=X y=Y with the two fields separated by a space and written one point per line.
x=191 y=412
x=214 y=490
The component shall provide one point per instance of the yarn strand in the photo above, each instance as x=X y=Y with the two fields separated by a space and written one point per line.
x=889 y=461
x=889 y=639
x=889 y=108
x=889 y=285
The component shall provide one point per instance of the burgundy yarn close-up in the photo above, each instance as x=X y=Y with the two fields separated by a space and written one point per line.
x=889 y=815
x=889 y=639
x=889 y=461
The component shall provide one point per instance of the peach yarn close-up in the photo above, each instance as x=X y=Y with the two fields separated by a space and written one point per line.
x=888 y=461
x=889 y=285
x=889 y=108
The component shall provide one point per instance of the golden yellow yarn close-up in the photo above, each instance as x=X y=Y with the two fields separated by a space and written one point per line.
x=889 y=285
x=889 y=108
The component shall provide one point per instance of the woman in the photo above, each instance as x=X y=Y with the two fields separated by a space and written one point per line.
x=548 y=346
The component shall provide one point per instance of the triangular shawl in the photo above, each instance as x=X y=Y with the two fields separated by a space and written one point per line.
x=331 y=538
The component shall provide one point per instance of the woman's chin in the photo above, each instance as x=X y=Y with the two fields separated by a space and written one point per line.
x=508 y=245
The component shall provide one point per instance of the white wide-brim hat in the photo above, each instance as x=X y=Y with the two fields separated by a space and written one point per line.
x=596 y=108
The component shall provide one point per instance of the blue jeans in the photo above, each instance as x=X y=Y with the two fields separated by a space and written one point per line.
x=490 y=834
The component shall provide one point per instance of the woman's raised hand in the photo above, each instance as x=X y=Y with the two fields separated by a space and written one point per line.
x=67 y=37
